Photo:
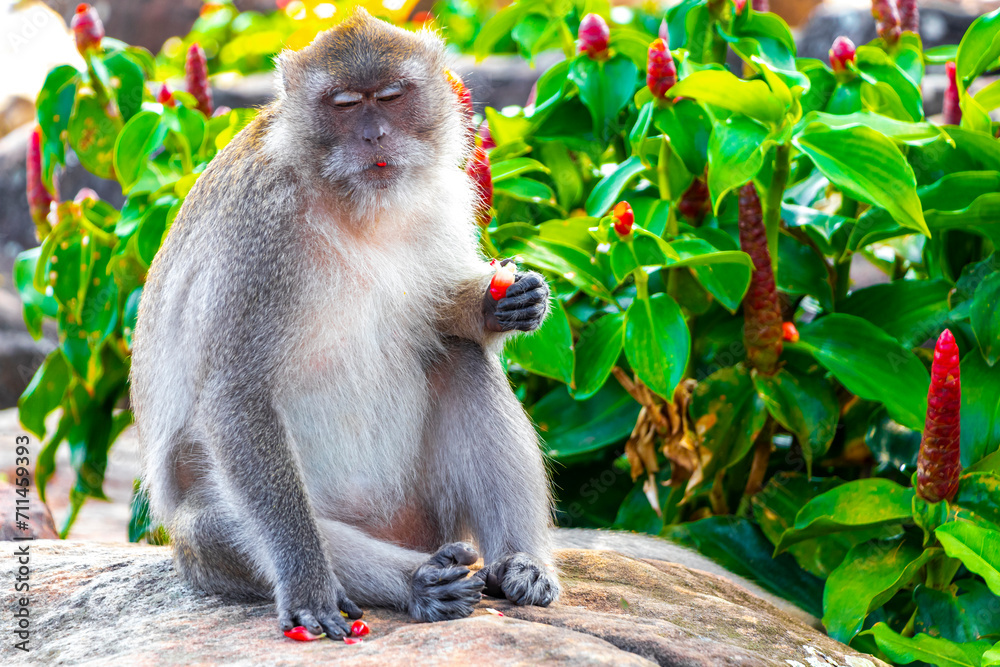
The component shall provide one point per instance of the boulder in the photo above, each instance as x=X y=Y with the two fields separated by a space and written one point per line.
x=124 y=604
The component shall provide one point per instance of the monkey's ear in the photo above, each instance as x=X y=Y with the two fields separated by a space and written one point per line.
x=289 y=71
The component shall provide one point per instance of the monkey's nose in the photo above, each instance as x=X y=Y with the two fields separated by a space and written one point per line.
x=373 y=133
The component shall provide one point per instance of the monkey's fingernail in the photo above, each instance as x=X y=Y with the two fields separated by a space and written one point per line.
x=359 y=629
x=299 y=633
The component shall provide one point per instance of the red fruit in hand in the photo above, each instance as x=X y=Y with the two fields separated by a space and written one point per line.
x=299 y=633
x=762 y=331
x=789 y=332
x=594 y=35
x=196 y=78
x=842 y=52
x=359 y=629
x=624 y=218
x=952 y=112
x=502 y=279
x=87 y=28
x=938 y=463
x=661 y=71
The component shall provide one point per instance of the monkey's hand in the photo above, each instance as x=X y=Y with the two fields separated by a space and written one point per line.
x=316 y=607
x=523 y=308
x=521 y=579
x=441 y=589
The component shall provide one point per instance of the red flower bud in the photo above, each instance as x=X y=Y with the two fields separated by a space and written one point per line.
x=938 y=464
x=359 y=629
x=694 y=203
x=909 y=15
x=842 y=52
x=478 y=169
x=196 y=78
x=789 y=332
x=165 y=97
x=740 y=4
x=664 y=31
x=952 y=112
x=87 y=28
x=762 y=331
x=299 y=633
x=594 y=35
x=39 y=198
x=84 y=194
x=624 y=218
x=502 y=279
x=886 y=20
x=661 y=72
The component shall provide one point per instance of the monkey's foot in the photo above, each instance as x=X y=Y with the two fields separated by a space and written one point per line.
x=525 y=305
x=317 y=616
x=441 y=589
x=522 y=579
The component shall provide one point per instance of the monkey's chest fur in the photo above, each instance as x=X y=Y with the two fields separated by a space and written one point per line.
x=357 y=395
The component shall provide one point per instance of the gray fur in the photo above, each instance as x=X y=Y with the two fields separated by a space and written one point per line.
x=314 y=382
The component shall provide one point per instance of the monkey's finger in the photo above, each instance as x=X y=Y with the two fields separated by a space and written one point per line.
x=524 y=282
x=285 y=621
x=531 y=298
x=347 y=606
x=309 y=622
x=468 y=590
x=334 y=625
x=531 y=315
x=456 y=553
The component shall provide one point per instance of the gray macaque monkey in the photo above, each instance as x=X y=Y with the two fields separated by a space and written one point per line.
x=315 y=377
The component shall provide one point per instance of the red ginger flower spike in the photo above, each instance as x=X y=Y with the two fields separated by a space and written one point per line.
x=762 y=330
x=594 y=35
x=886 y=20
x=624 y=218
x=39 y=198
x=842 y=53
x=938 y=463
x=165 y=97
x=87 y=29
x=196 y=78
x=478 y=169
x=952 y=112
x=761 y=5
x=694 y=203
x=661 y=72
x=909 y=16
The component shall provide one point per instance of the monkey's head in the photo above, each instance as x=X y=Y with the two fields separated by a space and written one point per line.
x=368 y=108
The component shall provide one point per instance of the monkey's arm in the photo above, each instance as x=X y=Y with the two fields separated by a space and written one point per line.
x=472 y=313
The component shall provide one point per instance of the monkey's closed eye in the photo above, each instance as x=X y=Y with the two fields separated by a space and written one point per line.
x=389 y=98
x=344 y=100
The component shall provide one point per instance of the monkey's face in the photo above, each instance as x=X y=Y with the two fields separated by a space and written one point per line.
x=371 y=110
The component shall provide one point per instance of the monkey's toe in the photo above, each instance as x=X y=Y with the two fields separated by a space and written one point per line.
x=441 y=589
x=522 y=580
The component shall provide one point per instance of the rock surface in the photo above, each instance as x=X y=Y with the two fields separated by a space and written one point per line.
x=123 y=604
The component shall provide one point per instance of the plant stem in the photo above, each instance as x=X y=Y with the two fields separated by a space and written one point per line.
x=775 y=195
x=761 y=456
x=940 y=572
x=641 y=283
x=842 y=270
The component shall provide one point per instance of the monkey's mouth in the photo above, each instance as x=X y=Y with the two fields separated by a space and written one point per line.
x=380 y=172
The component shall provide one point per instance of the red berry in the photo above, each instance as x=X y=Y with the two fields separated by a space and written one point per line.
x=196 y=78
x=502 y=279
x=299 y=633
x=789 y=332
x=594 y=35
x=886 y=20
x=359 y=629
x=952 y=113
x=39 y=198
x=165 y=97
x=478 y=169
x=87 y=28
x=762 y=332
x=661 y=71
x=938 y=462
x=842 y=52
x=624 y=218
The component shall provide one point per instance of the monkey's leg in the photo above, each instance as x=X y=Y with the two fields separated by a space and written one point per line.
x=486 y=473
x=430 y=587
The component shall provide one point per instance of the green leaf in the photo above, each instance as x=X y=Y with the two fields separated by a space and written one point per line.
x=657 y=342
x=520 y=165
x=643 y=249
x=573 y=264
x=526 y=189
x=906 y=132
x=724 y=273
x=728 y=415
x=979 y=492
x=547 y=351
x=978 y=548
x=932 y=650
x=725 y=90
x=878 y=69
x=870 y=364
x=605 y=88
x=911 y=311
x=803 y=271
x=140 y=137
x=688 y=127
x=980 y=412
x=985 y=317
x=870 y=575
x=44 y=393
x=964 y=617
x=569 y=428
x=131 y=315
x=735 y=154
x=564 y=172
x=605 y=193
x=54 y=105
x=151 y=230
x=597 y=350
x=824 y=224
x=804 y=404
x=858 y=505
x=92 y=135
x=130 y=88
x=978 y=49
x=868 y=166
